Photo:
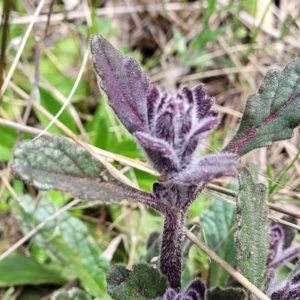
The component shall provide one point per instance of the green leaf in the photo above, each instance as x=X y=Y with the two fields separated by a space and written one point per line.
x=251 y=238
x=56 y=163
x=66 y=240
x=72 y=294
x=218 y=222
x=271 y=113
x=143 y=282
x=230 y=293
x=25 y=270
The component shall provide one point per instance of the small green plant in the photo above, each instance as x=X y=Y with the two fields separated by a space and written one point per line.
x=170 y=130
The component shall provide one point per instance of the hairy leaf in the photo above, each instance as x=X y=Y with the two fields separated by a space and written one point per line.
x=230 y=293
x=66 y=240
x=56 y=163
x=271 y=113
x=142 y=282
x=208 y=168
x=251 y=238
x=25 y=270
x=123 y=81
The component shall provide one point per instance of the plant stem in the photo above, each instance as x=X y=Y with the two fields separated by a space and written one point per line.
x=170 y=257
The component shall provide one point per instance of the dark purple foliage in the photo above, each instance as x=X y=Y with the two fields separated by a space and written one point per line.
x=280 y=251
x=195 y=291
x=287 y=290
x=171 y=130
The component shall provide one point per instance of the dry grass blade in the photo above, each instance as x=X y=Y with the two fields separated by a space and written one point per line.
x=234 y=273
x=110 y=11
x=66 y=103
x=269 y=217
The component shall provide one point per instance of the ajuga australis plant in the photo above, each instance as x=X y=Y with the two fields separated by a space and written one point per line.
x=170 y=130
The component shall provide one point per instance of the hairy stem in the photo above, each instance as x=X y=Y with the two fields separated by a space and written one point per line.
x=171 y=246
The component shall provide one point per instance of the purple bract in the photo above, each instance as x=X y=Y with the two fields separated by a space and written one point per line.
x=170 y=129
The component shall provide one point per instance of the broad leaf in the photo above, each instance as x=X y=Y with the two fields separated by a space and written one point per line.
x=56 y=163
x=251 y=238
x=226 y=294
x=271 y=113
x=218 y=222
x=67 y=241
x=143 y=282
x=25 y=270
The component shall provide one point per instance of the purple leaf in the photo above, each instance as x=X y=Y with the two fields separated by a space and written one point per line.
x=195 y=291
x=153 y=98
x=160 y=153
x=196 y=137
x=208 y=168
x=123 y=81
x=182 y=120
x=279 y=253
x=287 y=292
x=203 y=102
